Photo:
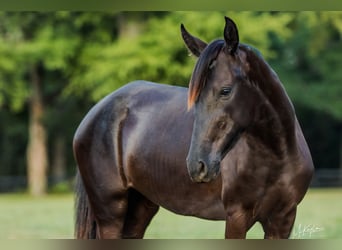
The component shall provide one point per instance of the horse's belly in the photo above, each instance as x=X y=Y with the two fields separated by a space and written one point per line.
x=200 y=209
x=181 y=196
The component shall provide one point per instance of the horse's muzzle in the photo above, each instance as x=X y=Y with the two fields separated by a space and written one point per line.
x=200 y=172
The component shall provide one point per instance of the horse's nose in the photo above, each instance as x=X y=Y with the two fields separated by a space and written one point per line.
x=197 y=169
x=202 y=169
x=202 y=172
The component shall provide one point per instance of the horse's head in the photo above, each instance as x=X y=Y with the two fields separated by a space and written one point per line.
x=219 y=90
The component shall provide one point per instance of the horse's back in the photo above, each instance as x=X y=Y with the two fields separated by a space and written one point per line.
x=138 y=94
x=137 y=109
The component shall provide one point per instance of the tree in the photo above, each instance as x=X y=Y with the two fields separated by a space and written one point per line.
x=38 y=47
x=55 y=66
x=42 y=52
x=20 y=43
x=156 y=51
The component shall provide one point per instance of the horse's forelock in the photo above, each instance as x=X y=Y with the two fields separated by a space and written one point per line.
x=200 y=72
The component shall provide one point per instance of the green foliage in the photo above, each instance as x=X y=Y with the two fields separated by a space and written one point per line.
x=156 y=51
x=313 y=57
x=83 y=56
x=29 y=39
x=13 y=140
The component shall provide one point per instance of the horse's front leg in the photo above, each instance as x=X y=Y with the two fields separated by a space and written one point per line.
x=279 y=225
x=238 y=222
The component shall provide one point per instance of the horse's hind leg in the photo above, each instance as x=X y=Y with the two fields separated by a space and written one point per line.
x=139 y=214
x=98 y=151
x=111 y=218
x=108 y=199
x=105 y=188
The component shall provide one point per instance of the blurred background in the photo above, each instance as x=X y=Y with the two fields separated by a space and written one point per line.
x=54 y=66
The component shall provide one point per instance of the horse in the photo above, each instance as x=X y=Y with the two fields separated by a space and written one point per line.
x=229 y=148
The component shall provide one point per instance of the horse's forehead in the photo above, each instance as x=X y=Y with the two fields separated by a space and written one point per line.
x=233 y=66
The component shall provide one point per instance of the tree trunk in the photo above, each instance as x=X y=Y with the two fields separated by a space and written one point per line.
x=36 y=150
x=129 y=24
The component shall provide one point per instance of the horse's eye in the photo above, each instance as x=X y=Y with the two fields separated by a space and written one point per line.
x=225 y=91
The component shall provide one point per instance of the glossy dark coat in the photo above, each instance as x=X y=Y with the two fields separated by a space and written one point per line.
x=229 y=148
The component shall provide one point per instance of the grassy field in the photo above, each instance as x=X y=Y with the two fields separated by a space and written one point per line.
x=51 y=217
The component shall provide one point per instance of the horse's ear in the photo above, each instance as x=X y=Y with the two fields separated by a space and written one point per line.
x=231 y=36
x=195 y=45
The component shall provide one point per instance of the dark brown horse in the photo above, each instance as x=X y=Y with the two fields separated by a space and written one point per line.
x=229 y=148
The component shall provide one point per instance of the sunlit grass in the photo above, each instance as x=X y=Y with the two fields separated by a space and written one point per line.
x=319 y=216
x=23 y=217
x=51 y=217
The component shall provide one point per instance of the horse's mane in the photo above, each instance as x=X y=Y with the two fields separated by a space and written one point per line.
x=200 y=72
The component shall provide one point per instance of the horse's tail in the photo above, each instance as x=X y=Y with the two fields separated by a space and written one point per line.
x=85 y=224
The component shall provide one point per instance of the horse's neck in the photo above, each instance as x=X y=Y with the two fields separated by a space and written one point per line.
x=274 y=124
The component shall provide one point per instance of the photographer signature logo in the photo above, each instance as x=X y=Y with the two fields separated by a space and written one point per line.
x=306 y=231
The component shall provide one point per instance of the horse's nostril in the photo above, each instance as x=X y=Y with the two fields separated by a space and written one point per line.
x=202 y=169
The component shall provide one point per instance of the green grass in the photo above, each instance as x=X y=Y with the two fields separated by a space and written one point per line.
x=51 y=217
x=319 y=216
x=23 y=217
